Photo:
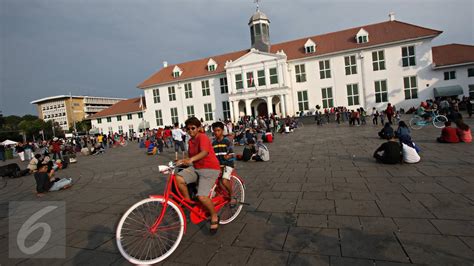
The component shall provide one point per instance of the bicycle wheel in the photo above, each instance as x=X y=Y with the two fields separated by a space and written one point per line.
x=439 y=120
x=135 y=241
x=416 y=122
x=228 y=213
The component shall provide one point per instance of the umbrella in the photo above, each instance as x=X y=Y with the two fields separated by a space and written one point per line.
x=9 y=142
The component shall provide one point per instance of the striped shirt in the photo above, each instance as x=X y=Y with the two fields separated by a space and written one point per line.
x=222 y=148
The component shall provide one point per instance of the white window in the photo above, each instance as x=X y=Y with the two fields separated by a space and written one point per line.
x=111 y=130
x=326 y=94
x=226 y=109
x=224 y=87
x=211 y=65
x=303 y=104
x=381 y=94
x=120 y=129
x=324 y=69
x=309 y=46
x=188 y=91
x=408 y=56
x=119 y=118
x=109 y=119
x=239 y=84
x=208 y=112
x=352 y=94
x=470 y=72
x=99 y=120
x=190 y=110
x=174 y=115
x=171 y=94
x=177 y=72
x=362 y=36
x=273 y=76
x=261 y=77
x=448 y=75
x=410 y=87
x=378 y=60
x=140 y=115
x=130 y=130
x=129 y=116
x=159 y=117
x=300 y=73
x=206 y=91
x=471 y=91
x=156 y=96
x=250 y=80
x=351 y=65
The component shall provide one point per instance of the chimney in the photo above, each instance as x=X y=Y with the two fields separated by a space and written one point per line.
x=165 y=64
x=391 y=16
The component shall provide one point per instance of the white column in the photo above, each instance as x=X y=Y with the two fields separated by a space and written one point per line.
x=248 y=107
x=235 y=108
x=283 y=105
x=269 y=105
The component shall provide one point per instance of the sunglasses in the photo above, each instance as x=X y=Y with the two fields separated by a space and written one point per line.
x=191 y=128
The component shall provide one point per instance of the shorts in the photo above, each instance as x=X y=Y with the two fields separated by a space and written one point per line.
x=227 y=172
x=207 y=178
x=179 y=144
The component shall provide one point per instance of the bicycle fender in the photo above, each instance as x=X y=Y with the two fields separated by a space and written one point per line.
x=174 y=202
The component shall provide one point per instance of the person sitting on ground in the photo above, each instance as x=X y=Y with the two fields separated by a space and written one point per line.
x=47 y=182
x=249 y=151
x=225 y=154
x=33 y=165
x=389 y=152
x=409 y=150
x=203 y=164
x=448 y=134
x=386 y=131
x=463 y=131
x=263 y=154
x=402 y=130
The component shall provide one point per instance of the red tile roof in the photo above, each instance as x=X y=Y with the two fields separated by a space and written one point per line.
x=380 y=33
x=452 y=54
x=122 y=107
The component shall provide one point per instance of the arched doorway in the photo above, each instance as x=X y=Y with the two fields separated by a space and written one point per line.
x=242 y=110
x=262 y=109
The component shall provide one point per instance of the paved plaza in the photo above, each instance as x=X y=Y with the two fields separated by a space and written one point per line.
x=321 y=200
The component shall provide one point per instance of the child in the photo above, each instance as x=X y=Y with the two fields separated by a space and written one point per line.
x=225 y=154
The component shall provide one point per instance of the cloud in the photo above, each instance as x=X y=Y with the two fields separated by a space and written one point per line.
x=107 y=47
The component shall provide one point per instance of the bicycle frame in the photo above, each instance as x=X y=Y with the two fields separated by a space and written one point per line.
x=198 y=213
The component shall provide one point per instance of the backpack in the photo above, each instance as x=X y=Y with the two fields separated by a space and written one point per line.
x=263 y=153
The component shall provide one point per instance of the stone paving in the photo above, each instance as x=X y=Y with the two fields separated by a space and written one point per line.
x=322 y=200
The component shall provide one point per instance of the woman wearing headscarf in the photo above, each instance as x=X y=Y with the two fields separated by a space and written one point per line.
x=409 y=151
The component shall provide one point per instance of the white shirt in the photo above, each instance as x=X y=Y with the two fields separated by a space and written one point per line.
x=178 y=134
x=409 y=154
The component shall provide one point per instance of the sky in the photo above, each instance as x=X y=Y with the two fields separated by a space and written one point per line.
x=107 y=47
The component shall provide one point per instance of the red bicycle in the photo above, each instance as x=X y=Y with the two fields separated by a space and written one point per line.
x=151 y=230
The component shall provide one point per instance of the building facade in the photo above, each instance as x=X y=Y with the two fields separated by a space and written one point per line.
x=67 y=109
x=367 y=66
x=124 y=117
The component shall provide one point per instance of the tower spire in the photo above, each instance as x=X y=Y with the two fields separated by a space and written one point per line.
x=257 y=3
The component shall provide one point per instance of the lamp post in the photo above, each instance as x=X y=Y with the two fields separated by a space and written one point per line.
x=72 y=113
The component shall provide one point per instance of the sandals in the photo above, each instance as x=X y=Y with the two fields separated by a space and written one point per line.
x=213 y=231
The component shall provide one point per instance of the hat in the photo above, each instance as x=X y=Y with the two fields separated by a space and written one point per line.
x=55 y=139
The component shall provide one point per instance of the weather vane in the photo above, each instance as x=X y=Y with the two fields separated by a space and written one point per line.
x=256 y=2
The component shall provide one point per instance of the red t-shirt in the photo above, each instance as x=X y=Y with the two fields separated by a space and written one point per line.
x=167 y=133
x=449 y=134
x=202 y=143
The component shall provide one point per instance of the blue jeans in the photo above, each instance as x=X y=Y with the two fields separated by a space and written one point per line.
x=2 y=156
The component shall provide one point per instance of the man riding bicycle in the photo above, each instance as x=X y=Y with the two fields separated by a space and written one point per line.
x=203 y=165
x=422 y=112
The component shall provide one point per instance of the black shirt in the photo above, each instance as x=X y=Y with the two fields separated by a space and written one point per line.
x=391 y=152
x=42 y=182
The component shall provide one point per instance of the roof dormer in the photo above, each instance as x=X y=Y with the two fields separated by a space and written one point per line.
x=309 y=47
x=177 y=72
x=362 y=36
x=211 y=65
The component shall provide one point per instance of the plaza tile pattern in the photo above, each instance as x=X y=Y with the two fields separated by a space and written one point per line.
x=321 y=200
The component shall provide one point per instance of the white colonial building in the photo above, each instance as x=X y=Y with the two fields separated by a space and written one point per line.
x=367 y=66
x=124 y=117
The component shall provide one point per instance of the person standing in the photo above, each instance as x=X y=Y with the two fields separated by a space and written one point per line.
x=20 y=150
x=178 y=135
x=389 y=112
x=468 y=106
x=2 y=152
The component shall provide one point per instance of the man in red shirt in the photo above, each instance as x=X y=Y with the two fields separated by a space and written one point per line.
x=448 y=134
x=203 y=165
